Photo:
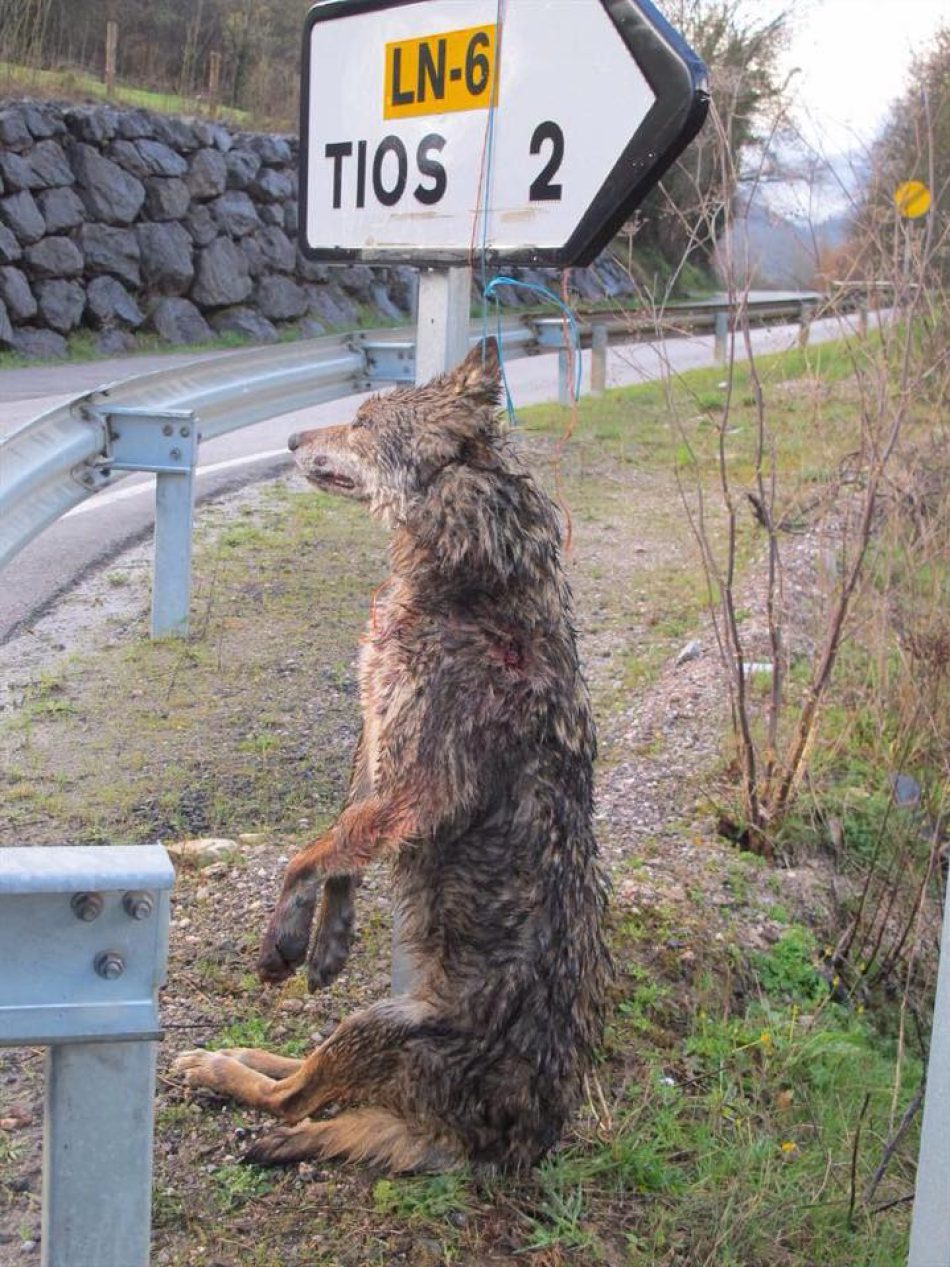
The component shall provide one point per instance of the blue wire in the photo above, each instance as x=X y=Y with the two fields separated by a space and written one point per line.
x=489 y=293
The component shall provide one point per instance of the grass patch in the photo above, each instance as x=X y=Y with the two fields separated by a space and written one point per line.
x=236 y=1185
x=72 y=83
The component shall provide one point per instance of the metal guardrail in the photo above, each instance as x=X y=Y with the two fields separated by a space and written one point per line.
x=156 y=421
x=83 y=943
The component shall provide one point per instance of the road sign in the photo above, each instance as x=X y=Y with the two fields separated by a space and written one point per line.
x=435 y=130
x=912 y=199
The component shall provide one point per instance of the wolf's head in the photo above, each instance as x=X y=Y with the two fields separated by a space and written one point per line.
x=399 y=443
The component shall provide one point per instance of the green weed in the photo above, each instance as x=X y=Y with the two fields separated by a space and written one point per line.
x=788 y=971
x=430 y=1199
x=252 y=1031
x=236 y=1185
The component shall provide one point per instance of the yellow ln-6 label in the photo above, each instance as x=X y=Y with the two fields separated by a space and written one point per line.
x=432 y=74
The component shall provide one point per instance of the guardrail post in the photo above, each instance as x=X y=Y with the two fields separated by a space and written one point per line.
x=805 y=317
x=97 y=1154
x=721 y=338
x=165 y=442
x=863 y=316
x=83 y=942
x=171 y=578
x=598 y=360
x=930 y=1228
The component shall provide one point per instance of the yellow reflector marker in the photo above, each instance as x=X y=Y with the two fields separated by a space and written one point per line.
x=912 y=199
x=433 y=74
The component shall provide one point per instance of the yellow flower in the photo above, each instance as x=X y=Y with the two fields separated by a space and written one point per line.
x=788 y=1146
x=765 y=1038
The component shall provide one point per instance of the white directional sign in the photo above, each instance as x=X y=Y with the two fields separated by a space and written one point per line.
x=438 y=130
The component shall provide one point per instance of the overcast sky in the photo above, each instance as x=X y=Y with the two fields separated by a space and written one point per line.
x=854 y=56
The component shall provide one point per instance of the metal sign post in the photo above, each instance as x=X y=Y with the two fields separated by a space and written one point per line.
x=442 y=320
x=442 y=333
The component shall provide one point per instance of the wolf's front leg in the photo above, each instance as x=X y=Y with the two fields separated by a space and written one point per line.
x=331 y=942
x=285 y=941
x=362 y=832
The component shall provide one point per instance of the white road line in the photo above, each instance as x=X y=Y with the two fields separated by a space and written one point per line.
x=101 y=500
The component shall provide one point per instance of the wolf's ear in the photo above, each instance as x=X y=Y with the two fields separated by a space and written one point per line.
x=479 y=375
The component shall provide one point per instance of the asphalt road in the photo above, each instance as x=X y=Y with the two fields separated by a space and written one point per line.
x=96 y=531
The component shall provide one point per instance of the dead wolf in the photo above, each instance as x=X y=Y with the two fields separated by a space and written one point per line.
x=473 y=774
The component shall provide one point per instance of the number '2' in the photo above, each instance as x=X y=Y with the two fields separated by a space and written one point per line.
x=542 y=189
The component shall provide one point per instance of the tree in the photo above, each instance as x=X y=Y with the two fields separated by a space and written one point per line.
x=915 y=145
x=742 y=54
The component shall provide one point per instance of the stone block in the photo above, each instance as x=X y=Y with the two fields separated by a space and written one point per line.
x=111 y=250
x=179 y=321
x=16 y=294
x=109 y=193
x=108 y=303
x=167 y=257
x=61 y=304
x=221 y=275
x=280 y=298
x=166 y=198
x=61 y=209
x=22 y=217
x=207 y=174
x=53 y=257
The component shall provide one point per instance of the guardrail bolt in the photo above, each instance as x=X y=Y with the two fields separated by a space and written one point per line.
x=87 y=906
x=175 y=454
x=109 y=965
x=184 y=432
x=138 y=905
x=168 y=429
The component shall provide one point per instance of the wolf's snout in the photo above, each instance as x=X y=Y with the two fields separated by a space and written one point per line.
x=294 y=441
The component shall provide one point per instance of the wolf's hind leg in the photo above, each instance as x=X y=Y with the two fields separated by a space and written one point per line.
x=366 y=1134
x=265 y=1062
x=362 y=1062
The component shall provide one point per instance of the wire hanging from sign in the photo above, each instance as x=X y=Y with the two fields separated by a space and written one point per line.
x=481 y=218
x=490 y=292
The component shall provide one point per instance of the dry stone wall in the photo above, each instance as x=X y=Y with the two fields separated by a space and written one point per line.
x=122 y=221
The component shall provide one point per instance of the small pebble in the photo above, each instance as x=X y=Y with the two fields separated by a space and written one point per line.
x=691 y=651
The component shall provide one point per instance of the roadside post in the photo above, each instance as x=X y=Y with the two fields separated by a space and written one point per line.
x=930 y=1228
x=598 y=359
x=164 y=442
x=447 y=134
x=83 y=943
x=721 y=338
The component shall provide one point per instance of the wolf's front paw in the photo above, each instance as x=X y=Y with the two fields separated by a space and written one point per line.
x=330 y=950
x=284 y=946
